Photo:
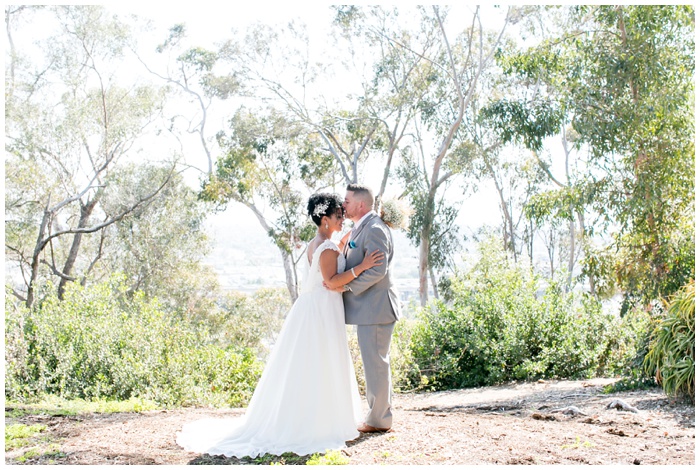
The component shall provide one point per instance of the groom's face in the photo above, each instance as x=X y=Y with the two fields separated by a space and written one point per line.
x=352 y=206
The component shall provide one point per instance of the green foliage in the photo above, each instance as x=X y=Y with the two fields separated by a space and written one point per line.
x=98 y=343
x=526 y=123
x=501 y=322
x=671 y=354
x=158 y=247
x=404 y=370
x=267 y=158
x=56 y=406
x=334 y=457
x=437 y=213
x=18 y=435
x=247 y=320
x=624 y=78
x=636 y=382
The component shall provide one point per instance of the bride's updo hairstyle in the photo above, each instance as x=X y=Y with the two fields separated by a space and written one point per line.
x=321 y=204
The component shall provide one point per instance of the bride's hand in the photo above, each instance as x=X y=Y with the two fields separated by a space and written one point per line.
x=372 y=259
x=334 y=289
x=343 y=241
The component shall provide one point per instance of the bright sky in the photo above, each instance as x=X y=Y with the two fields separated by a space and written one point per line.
x=213 y=21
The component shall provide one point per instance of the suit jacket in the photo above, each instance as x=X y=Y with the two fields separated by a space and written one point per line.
x=372 y=299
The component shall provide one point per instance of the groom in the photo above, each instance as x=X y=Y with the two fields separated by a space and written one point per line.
x=371 y=303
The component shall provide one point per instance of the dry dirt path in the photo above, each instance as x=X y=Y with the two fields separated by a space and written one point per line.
x=548 y=422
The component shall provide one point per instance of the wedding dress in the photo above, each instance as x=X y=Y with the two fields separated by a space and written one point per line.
x=307 y=399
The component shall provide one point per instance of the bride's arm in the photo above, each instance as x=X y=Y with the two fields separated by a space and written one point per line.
x=329 y=266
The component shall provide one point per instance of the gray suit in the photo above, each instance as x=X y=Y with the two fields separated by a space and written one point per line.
x=373 y=305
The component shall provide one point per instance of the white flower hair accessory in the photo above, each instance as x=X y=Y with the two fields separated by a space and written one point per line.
x=321 y=209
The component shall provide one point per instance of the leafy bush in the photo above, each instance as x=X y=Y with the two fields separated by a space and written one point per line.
x=99 y=343
x=333 y=457
x=501 y=322
x=18 y=435
x=671 y=354
x=253 y=320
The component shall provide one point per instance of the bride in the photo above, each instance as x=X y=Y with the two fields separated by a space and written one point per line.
x=307 y=399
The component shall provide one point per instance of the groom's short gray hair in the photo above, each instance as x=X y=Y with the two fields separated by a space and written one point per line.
x=363 y=192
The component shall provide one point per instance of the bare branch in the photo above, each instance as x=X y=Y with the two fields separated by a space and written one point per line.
x=57 y=272
x=19 y=296
x=90 y=183
x=116 y=218
x=546 y=169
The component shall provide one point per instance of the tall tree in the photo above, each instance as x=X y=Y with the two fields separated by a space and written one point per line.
x=527 y=112
x=70 y=120
x=399 y=81
x=269 y=165
x=648 y=129
x=192 y=71
x=280 y=68
x=622 y=76
x=159 y=246
x=458 y=66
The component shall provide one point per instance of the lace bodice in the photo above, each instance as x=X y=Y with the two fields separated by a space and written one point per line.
x=314 y=278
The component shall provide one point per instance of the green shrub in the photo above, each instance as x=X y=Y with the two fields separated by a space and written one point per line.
x=404 y=370
x=252 y=320
x=671 y=356
x=100 y=343
x=333 y=457
x=18 y=435
x=501 y=322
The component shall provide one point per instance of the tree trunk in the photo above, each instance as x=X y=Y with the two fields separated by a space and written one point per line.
x=289 y=271
x=508 y=240
x=40 y=243
x=433 y=280
x=85 y=212
x=423 y=256
x=572 y=253
x=424 y=248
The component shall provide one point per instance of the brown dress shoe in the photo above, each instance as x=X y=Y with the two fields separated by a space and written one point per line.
x=364 y=427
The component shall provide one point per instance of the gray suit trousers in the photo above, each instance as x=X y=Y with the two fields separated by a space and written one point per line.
x=374 y=342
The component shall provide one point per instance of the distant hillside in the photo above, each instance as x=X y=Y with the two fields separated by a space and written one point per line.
x=245 y=258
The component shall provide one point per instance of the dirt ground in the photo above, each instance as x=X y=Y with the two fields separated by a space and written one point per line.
x=548 y=422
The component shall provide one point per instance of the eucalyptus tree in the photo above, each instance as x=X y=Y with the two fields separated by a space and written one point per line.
x=305 y=136
x=270 y=165
x=159 y=247
x=400 y=77
x=283 y=71
x=526 y=111
x=620 y=80
x=266 y=156
x=69 y=121
x=458 y=65
x=193 y=72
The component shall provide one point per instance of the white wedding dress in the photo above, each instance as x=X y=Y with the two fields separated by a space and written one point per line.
x=307 y=400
